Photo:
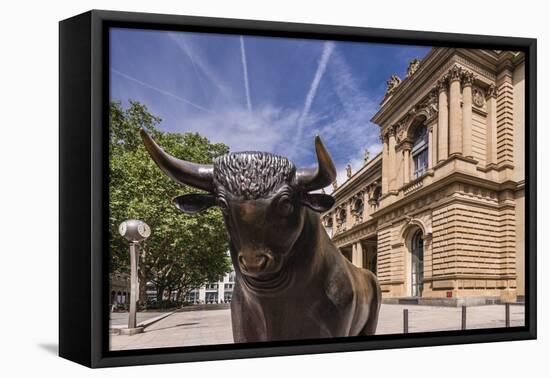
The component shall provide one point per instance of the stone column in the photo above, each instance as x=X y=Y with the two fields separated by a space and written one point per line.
x=385 y=161
x=357 y=255
x=442 y=121
x=221 y=290
x=455 y=127
x=406 y=163
x=431 y=146
x=366 y=207
x=467 y=81
x=434 y=145
x=349 y=217
x=391 y=160
x=491 y=95
x=399 y=167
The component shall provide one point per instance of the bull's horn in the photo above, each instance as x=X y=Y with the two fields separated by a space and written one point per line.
x=199 y=176
x=322 y=175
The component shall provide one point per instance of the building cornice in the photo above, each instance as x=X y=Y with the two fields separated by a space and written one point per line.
x=455 y=177
x=434 y=67
x=363 y=176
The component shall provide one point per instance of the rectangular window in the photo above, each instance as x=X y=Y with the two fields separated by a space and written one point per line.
x=211 y=297
x=420 y=163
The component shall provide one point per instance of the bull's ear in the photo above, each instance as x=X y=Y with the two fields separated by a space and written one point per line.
x=317 y=202
x=194 y=203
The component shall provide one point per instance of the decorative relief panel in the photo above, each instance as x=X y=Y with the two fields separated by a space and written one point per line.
x=478 y=97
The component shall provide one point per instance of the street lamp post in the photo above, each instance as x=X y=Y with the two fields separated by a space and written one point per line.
x=134 y=231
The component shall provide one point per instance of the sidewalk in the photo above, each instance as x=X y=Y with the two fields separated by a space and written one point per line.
x=180 y=329
x=204 y=327
x=121 y=318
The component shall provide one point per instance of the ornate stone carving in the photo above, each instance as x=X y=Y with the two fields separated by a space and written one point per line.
x=491 y=91
x=374 y=190
x=357 y=207
x=392 y=130
x=392 y=84
x=442 y=84
x=430 y=106
x=478 y=98
x=407 y=145
x=348 y=170
x=427 y=108
x=340 y=219
x=413 y=67
x=366 y=156
x=455 y=73
x=468 y=78
x=334 y=185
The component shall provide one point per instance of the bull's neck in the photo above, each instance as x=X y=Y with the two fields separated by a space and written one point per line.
x=306 y=255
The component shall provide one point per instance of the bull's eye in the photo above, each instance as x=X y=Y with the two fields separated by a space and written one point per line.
x=285 y=206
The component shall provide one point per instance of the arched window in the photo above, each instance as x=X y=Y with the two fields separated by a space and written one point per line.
x=420 y=151
x=417 y=264
x=329 y=225
x=342 y=215
x=358 y=206
x=377 y=194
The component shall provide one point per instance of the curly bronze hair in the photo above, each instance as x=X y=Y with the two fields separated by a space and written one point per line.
x=251 y=174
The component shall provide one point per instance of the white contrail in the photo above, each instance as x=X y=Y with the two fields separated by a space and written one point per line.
x=245 y=75
x=321 y=68
x=166 y=93
x=182 y=45
x=201 y=65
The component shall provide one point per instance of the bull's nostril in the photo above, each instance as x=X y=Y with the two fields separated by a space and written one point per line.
x=241 y=261
x=262 y=260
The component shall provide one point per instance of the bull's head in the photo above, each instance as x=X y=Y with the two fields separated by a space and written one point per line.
x=263 y=198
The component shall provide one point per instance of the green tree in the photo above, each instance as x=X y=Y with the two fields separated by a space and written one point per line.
x=183 y=252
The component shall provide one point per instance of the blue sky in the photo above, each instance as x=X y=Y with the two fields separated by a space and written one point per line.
x=260 y=93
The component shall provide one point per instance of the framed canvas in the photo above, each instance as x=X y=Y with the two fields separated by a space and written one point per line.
x=234 y=188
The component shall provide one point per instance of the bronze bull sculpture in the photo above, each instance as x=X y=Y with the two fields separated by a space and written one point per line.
x=291 y=281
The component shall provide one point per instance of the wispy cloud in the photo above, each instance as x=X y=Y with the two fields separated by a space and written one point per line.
x=201 y=64
x=245 y=75
x=298 y=90
x=159 y=90
x=348 y=130
x=182 y=44
x=328 y=47
x=266 y=128
x=356 y=161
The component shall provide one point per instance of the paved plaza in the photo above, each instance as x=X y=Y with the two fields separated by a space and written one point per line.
x=120 y=319
x=206 y=327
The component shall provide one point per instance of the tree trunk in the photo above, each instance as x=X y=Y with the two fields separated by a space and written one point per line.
x=142 y=275
x=142 y=287
x=160 y=293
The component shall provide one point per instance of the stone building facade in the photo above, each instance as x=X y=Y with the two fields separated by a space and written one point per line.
x=119 y=287
x=438 y=215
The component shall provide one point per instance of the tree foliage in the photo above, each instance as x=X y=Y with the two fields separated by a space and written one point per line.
x=183 y=251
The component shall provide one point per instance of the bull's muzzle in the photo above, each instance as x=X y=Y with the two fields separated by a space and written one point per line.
x=253 y=263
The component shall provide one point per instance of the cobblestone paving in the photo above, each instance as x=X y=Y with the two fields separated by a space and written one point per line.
x=214 y=326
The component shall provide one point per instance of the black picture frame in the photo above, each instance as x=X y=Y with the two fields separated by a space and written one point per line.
x=83 y=234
